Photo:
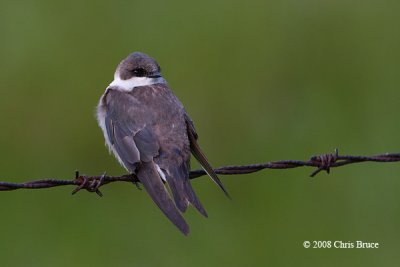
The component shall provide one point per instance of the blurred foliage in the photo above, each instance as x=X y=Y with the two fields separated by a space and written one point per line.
x=263 y=80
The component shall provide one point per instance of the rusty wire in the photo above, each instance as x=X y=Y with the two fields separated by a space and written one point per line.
x=92 y=183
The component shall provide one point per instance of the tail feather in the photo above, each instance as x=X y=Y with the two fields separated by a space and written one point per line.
x=151 y=181
x=182 y=191
x=193 y=198
x=180 y=200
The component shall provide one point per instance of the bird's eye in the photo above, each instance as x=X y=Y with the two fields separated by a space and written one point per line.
x=139 y=72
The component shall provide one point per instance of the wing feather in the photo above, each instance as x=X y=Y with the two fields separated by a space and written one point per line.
x=199 y=155
x=135 y=144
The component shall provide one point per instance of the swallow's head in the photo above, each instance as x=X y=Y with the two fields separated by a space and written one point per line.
x=138 y=69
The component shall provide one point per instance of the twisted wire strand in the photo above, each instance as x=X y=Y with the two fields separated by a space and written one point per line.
x=322 y=162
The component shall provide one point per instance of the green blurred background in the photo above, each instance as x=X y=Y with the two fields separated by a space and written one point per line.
x=263 y=81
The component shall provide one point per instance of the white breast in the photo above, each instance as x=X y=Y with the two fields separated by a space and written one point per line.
x=133 y=82
x=101 y=116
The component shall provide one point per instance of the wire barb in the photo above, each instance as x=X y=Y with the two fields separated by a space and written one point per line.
x=324 y=162
x=91 y=184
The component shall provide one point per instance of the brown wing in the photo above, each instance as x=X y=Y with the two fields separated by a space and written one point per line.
x=199 y=155
x=127 y=122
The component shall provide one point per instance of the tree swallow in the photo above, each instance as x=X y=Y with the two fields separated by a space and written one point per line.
x=148 y=130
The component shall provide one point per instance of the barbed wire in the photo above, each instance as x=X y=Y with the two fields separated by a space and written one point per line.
x=322 y=162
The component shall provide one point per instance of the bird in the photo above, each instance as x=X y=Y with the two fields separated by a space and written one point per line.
x=152 y=136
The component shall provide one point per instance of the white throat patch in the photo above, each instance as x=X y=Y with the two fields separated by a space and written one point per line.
x=134 y=82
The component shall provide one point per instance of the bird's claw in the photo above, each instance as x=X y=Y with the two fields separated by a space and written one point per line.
x=137 y=184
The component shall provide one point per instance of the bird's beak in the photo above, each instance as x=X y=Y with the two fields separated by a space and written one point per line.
x=157 y=75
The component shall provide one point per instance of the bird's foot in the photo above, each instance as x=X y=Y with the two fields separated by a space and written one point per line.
x=136 y=183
